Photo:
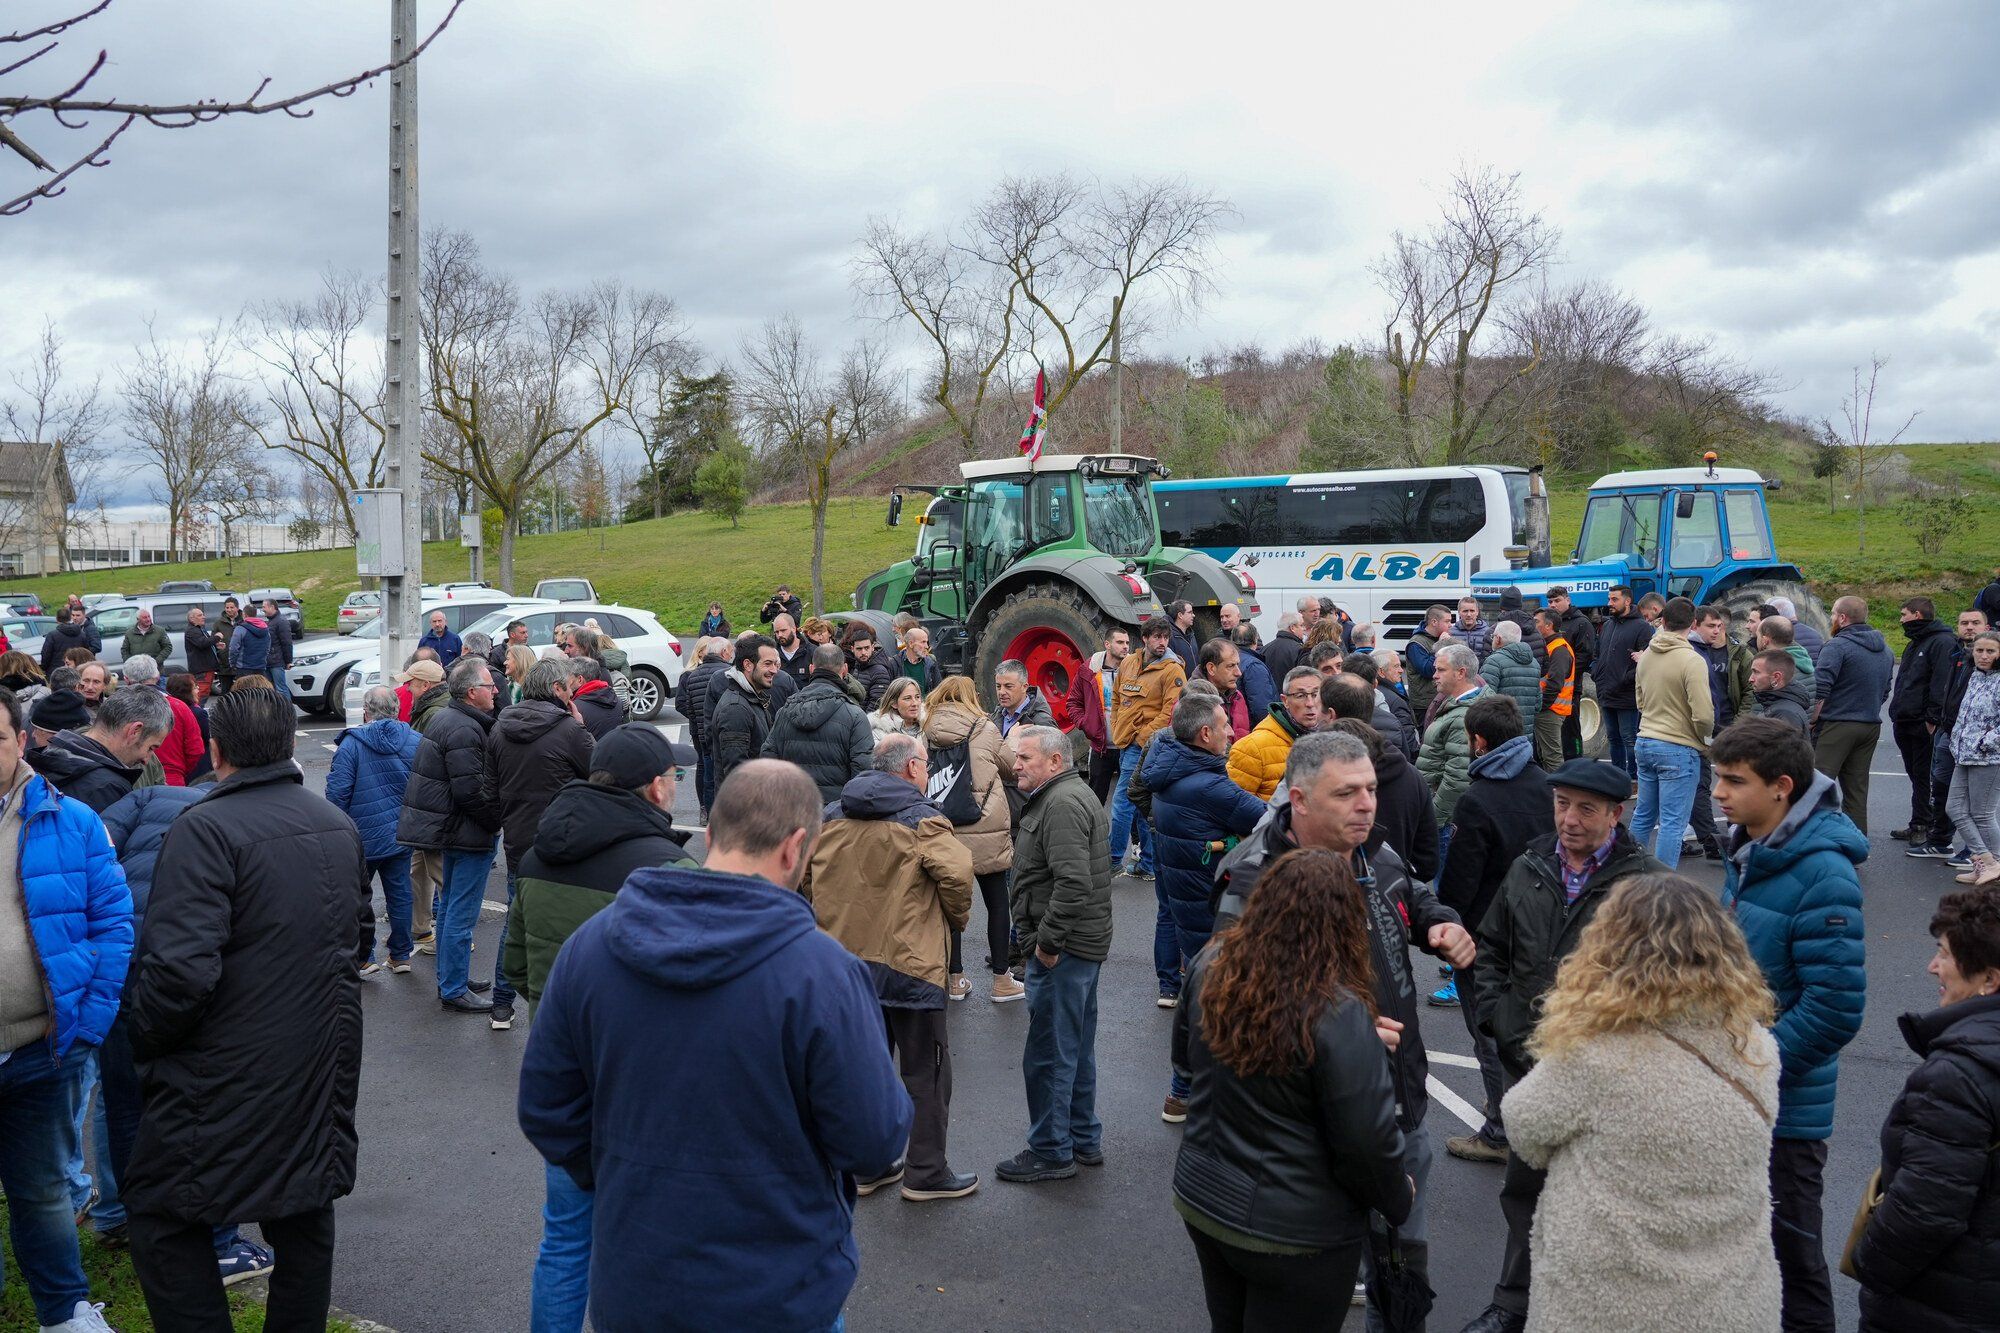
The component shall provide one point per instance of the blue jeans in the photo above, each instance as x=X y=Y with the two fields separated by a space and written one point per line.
x=502 y=992
x=462 y=890
x=1125 y=816
x=280 y=680
x=37 y=1133
x=1668 y=775
x=1415 y=1233
x=562 y=1265
x=78 y=1171
x=1621 y=734
x=394 y=874
x=1060 y=1059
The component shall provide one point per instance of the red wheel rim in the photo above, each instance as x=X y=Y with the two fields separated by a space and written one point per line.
x=1053 y=662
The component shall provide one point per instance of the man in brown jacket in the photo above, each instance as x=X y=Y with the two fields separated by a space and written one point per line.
x=1143 y=695
x=891 y=881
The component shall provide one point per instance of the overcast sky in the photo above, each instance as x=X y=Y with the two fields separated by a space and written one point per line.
x=1809 y=183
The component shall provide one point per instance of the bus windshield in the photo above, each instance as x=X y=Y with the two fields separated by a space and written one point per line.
x=1118 y=515
x=1517 y=504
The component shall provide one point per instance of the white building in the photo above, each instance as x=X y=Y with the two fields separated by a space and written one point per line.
x=98 y=543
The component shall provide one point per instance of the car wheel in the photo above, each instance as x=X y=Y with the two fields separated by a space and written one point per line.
x=334 y=702
x=649 y=692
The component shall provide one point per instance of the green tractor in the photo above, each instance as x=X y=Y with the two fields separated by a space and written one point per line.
x=1037 y=561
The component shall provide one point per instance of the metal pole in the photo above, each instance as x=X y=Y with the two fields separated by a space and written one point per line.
x=1117 y=382
x=402 y=596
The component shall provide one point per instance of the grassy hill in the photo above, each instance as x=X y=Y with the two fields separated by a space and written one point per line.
x=675 y=565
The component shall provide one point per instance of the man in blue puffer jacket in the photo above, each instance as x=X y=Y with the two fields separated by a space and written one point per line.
x=1792 y=884
x=1198 y=814
x=371 y=770
x=65 y=945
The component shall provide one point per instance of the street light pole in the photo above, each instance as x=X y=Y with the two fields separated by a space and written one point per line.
x=402 y=594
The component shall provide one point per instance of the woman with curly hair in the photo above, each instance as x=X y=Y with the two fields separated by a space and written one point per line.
x=1651 y=1108
x=1291 y=1132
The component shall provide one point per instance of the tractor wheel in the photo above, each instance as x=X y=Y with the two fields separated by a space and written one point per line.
x=1207 y=625
x=1050 y=628
x=1744 y=598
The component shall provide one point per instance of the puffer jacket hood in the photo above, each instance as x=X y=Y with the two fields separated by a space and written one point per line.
x=368 y=780
x=696 y=929
x=1852 y=675
x=1169 y=759
x=583 y=819
x=825 y=733
x=1506 y=760
x=1791 y=704
x=60 y=640
x=819 y=701
x=83 y=770
x=385 y=735
x=875 y=795
x=526 y=722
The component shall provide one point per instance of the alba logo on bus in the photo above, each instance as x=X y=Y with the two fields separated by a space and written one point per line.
x=1387 y=567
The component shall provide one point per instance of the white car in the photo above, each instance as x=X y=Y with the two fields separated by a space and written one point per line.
x=322 y=668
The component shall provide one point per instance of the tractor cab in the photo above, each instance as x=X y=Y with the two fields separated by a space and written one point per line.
x=1703 y=533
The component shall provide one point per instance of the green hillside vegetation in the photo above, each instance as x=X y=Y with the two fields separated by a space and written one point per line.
x=675 y=565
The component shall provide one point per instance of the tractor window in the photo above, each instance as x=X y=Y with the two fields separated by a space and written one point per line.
x=1749 y=539
x=1698 y=537
x=944 y=522
x=1621 y=525
x=1118 y=515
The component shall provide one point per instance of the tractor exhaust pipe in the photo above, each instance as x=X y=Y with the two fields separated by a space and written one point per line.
x=1537 y=507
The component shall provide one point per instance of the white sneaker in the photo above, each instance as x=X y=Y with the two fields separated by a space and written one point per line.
x=84 y=1319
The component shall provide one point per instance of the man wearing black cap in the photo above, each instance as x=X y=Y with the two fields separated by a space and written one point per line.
x=1548 y=896
x=595 y=832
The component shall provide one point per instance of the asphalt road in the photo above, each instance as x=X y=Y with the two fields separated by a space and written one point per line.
x=440 y=1233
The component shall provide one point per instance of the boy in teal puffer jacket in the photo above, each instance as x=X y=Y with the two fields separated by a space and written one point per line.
x=1792 y=884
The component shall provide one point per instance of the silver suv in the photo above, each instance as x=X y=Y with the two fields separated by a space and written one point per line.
x=170 y=613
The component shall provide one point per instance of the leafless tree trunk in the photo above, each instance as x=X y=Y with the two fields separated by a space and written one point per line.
x=325 y=389
x=189 y=420
x=1720 y=396
x=1856 y=435
x=68 y=109
x=244 y=493
x=1589 y=337
x=69 y=419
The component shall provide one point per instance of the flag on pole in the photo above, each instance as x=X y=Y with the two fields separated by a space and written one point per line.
x=1031 y=434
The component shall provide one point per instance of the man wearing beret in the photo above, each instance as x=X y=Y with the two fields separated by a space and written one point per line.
x=1548 y=896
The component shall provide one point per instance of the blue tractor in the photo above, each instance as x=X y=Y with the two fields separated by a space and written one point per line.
x=1703 y=533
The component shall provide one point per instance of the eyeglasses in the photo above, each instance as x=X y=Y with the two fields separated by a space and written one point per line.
x=1302 y=694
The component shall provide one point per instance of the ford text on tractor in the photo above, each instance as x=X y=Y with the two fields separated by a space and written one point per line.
x=1703 y=533
x=1037 y=561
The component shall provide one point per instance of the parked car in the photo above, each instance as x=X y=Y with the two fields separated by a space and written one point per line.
x=21 y=606
x=357 y=609
x=322 y=670
x=288 y=607
x=170 y=613
x=448 y=590
x=566 y=590
x=183 y=585
x=92 y=600
x=25 y=633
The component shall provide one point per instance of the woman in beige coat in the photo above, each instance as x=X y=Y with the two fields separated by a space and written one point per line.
x=1650 y=1107
x=952 y=717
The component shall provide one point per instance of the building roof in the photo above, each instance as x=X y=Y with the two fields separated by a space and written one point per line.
x=23 y=463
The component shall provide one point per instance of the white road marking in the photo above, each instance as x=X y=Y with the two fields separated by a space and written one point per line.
x=1454 y=1103
x=324 y=746
x=488 y=905
x=1460 y=1061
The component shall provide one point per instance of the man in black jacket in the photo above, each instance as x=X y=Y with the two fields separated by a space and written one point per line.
x=867 y=665
x=103 y=762
x=1286 y=649
x=281 y=648
x=794 y=652
x=534 y=748
x=596 y=702
x=782 y=603
x=1180 y=635
x=445 y=809
x=72 y=632
x=691 y=700
x=1577 y=631
x=1624 y=636
x=1505 y=805
x=822 y=730
x=206 y=654
x=496 y=657
x=244 y=1012
x=1332 y=806
x=1971 y=623
x=1916 y=706
x=1548 y=895
x=739 y=712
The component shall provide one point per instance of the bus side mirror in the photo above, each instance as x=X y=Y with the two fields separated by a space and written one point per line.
x=895 y=509
x=1684 y=505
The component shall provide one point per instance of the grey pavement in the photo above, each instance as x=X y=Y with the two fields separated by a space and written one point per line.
x=440 y=1233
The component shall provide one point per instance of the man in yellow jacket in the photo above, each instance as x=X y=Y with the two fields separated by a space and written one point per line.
x=1257 y=762
x=1676 y=723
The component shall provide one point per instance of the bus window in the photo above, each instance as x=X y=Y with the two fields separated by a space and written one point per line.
x=1748 y=537
x=1698 y=537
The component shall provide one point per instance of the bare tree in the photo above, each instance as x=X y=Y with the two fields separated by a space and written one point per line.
x=1856 y=436
x=67 y=108
x=1046 y=271
x=520 y=384
x=1444 y=286
x=248 y=491
x=1721 y=398
x=324 y=384
x=190 y=421
x=809 y=418
x=69 y=418
x=1589 y=338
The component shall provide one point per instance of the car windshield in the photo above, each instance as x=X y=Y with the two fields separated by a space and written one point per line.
x=1118 y=515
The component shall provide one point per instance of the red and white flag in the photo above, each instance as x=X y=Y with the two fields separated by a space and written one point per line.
x=1031 y=434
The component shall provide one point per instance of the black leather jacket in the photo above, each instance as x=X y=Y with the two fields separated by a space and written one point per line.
x=1297 y=1158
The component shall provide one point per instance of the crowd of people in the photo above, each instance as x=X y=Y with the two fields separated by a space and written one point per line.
x=736 y=1050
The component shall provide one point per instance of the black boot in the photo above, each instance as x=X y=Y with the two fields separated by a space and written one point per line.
x=1493 y=1319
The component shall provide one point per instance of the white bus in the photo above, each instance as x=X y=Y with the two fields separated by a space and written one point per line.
x=1383 y=544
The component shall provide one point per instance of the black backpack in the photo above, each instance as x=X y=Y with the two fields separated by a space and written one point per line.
x=950 y=788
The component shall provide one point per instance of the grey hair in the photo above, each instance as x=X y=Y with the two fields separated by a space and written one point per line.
x=1198 y=686
x=1307 y=601
x=379 y=703
x=1315 y=750
x=464 y=675
x=1010 y=667
x=587 y=668
x=1506 y=632
x=141 y=669
x=1384 y=658
x=1299 y=673
x=135 y=703
x=476 y=643
x=1192 y=713
x=1366 y=632
x=893 y=753
x=543 y=677
x=1459 y=657
x=1047 y=740
x=1287 y=619
x=64 y=678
